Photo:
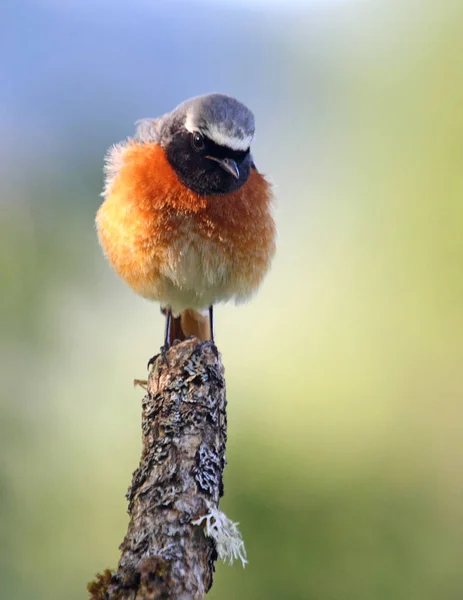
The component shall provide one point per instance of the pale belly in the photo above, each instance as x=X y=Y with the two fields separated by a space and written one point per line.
x=196 y=274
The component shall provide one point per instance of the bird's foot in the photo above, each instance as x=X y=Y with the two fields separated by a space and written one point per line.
x=163 y=354
x=207 y=343
x=151 y=361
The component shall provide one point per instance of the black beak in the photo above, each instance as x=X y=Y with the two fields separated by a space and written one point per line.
x=227 y=164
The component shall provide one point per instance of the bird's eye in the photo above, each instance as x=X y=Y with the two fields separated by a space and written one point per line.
x=197 y=140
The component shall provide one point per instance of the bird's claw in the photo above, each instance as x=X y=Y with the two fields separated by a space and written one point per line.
x=151 y=361
x=154 y=358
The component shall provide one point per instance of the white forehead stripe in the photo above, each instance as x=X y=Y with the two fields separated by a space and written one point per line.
x=189 y=124
x=220 y=136
x=223 y=138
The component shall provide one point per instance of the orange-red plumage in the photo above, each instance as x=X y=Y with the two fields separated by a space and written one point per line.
x=173 y=245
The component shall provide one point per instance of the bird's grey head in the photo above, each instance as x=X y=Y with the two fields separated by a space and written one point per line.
x=207 y=141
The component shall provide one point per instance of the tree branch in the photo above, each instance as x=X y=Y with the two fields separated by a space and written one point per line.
x=176 y=530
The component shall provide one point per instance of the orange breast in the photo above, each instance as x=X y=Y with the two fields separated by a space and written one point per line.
x=149 y=218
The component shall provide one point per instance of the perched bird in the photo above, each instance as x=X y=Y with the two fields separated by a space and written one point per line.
x=187 y=218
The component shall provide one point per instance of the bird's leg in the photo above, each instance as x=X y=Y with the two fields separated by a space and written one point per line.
x=167 y=336
x=211 y=322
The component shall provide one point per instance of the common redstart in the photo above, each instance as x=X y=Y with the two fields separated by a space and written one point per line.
x=187 y=218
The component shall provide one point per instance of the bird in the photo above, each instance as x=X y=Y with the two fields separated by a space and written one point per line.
x=187 y=219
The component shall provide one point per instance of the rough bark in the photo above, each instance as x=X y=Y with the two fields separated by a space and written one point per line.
x=179 y=479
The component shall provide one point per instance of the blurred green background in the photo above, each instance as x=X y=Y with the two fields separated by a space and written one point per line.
x=345 y=376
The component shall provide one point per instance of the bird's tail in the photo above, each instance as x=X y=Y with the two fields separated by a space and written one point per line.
x=189 y=322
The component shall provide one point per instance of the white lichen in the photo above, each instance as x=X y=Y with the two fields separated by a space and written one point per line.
x=225 y=533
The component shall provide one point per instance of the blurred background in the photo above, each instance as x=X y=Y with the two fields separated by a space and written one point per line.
x=344 y=374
